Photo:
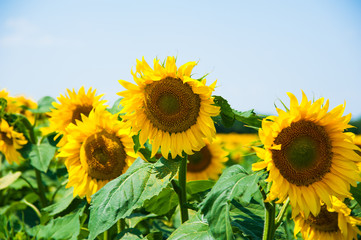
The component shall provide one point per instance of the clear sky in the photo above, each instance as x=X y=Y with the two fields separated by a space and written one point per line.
x=257 y=50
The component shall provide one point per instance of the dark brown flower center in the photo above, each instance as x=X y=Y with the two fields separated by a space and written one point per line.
x=325 y=221
x=171 y=105
x=200 y=160
x=306 y=153
x=103 y=155
x=80 y=109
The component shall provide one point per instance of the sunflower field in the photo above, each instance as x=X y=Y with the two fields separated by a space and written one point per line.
x=155 y=165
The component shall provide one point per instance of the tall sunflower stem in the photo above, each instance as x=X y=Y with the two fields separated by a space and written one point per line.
x=182 y=195
x=281 y=213
x=269 y=224
x=41 y=190
x=106 y=235
x=120 y=225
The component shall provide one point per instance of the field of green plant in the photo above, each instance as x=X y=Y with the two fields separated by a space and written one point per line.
x=158 y=164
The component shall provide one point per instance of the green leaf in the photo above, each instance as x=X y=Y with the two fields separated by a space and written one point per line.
x=249 y=117
x=60 y=206
x=9 y=179
x=249 y=218
x=162 y=203
x=130 y=234
x=116 y=108
x=41 y=155
x=3 y=104
x=234 y=182
x=194 y=187
x=154 y=236
x=226 y=113
x=67 y=227
x=195 y=228
x=356 y=193
x=44 y=105
x=118 y=198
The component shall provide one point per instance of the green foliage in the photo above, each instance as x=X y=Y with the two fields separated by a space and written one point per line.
x=194 y=228
x=3 y=104
x=116 y=108
x=9 y=179
x=44 y=105
x=41 y=155
x=229 y=115
x=67 y=227
x=121 y=196
x=60 y=206
x=234 y=182
x=164 y=202
x=356 y=193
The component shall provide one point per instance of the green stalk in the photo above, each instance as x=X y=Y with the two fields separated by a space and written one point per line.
x=281 y=213
x=41 y=190
x=105 y=236
x=120 y=225
x=269 y=224
x=182 y=195
x=270 y=214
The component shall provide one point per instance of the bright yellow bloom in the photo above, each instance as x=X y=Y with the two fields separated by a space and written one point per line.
x=70 y=108
x=98 y=150
x=238 y=144
x=10 y=142
x=332 y=223
x=308 y=154
x=169 y=108
x=206 y=163
x=20 y=105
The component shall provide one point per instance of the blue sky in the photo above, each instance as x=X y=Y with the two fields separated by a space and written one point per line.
x=257 y=50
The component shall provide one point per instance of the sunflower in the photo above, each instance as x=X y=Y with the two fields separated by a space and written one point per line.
x=170 y=108
x=22 y=105
x=98 y=150
x=308 y=154
x=70 y=109
x=331 y=223
x=206 y=163
x=238 y=145
x=10 y=142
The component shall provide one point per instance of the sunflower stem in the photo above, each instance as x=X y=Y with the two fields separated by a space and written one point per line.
x=282 y=213
x=41 y=191
x=270 y=214
x=120 y=225
x=182 y=195
x=106 y=234
x=269 y=224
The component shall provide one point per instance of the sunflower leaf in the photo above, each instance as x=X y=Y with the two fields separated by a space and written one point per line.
x=44 y=105
x=41 y=155
x=234 y=182
x=67 y=227
x=118 y=198
x=356 y=193
x=116 y=108
x=195 y=228
x=226 y=113
x=9 y=179
x=248 y=117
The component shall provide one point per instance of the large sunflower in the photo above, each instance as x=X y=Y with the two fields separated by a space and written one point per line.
x=333 y=223
x=206 y=163
x=170 y=108
x=98 y=150
x=308 y=154
x=10 y=142
x=70 y=108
